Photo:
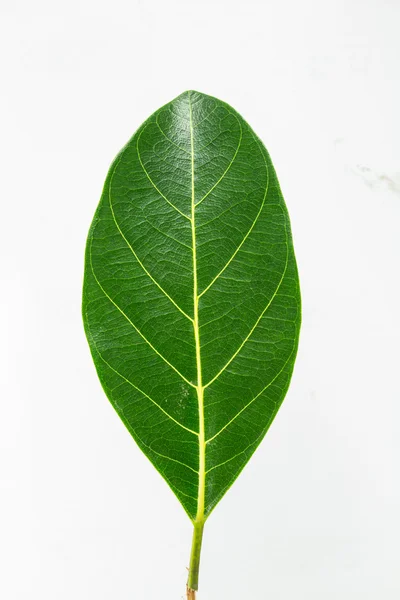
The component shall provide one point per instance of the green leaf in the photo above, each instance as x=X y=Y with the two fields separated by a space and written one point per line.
x=191 y=297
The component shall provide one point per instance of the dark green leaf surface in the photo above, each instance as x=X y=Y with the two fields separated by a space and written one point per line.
x=191 y=297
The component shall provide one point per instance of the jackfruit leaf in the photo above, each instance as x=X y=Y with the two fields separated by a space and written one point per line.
x=191 y=298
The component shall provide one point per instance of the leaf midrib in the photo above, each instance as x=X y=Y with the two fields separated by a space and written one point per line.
x=199 y=388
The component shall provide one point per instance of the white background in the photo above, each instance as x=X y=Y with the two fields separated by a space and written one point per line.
x=84 y=516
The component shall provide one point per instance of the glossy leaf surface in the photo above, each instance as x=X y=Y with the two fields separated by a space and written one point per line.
x=191 y=296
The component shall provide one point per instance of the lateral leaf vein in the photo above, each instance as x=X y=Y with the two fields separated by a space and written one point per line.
x=150 y=179
x=134 y=326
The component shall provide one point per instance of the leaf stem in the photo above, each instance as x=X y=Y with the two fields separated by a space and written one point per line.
x=191 y=594
x=193 y=579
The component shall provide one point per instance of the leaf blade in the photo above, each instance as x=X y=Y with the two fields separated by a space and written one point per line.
x=191 y=295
